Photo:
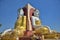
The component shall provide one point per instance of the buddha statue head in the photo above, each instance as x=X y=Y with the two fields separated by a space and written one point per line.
x=36 y=13
x=20 y=12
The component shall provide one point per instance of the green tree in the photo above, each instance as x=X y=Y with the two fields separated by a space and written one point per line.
x=0 y=25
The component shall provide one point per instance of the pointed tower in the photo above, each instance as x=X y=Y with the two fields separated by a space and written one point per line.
x=30 y=10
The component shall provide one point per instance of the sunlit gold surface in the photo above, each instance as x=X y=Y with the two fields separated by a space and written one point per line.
x=9 y=36
x=42 y=30
x=20 y=25
x=38 y=22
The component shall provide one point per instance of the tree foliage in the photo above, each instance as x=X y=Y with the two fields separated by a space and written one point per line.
x=0 y=25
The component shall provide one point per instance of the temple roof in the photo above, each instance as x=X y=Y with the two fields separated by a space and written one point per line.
x=29 y=6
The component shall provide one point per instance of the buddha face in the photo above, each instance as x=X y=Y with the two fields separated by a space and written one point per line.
x=36 y=13
x=21 y=12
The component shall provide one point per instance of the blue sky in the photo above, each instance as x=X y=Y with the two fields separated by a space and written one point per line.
x=49 y=12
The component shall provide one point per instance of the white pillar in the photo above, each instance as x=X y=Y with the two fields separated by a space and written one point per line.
x=42 y=37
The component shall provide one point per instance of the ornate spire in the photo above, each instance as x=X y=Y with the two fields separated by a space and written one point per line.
x=29 y=14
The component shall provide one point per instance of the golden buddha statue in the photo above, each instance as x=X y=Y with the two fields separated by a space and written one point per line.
x=20 y=25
